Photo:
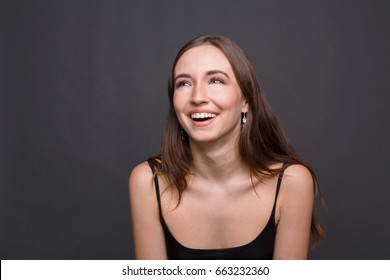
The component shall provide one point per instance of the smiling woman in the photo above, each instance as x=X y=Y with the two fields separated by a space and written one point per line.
x=207 y=98
x=228 y=184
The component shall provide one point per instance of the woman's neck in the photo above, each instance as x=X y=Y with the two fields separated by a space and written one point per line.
x=216 y=161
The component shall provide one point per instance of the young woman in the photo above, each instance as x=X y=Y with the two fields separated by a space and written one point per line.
x=228 y=184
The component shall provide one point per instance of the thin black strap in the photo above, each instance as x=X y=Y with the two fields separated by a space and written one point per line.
x=280 y=177
x=156 y=185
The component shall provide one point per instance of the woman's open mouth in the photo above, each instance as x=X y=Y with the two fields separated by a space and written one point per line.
x=201 y=117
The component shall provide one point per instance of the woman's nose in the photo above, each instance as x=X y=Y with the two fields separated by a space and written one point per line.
x=199 y=95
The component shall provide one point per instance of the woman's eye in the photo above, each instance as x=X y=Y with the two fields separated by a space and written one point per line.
x=216 y=81
x=182 y=84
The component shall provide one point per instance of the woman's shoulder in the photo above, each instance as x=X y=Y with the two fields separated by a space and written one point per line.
x=298 y=181
x=141 y=178
x=140 y=170
x=298 y=171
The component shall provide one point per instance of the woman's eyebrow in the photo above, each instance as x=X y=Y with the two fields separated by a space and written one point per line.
x=213 y=72
x=208 y=73
x=183 y=75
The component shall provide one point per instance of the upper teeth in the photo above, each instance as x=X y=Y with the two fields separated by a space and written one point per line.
x=203 y=115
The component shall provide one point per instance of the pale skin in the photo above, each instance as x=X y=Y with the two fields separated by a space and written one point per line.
x=220 y=208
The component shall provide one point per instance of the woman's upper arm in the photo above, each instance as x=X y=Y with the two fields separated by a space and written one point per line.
x=148 y=234
x=295 y=204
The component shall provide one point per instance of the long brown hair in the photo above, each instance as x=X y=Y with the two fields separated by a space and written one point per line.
x=262 y=141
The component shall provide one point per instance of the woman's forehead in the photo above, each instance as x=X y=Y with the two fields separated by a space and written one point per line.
x=203 y=58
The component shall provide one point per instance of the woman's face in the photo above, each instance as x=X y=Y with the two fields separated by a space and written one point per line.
x=207 y=98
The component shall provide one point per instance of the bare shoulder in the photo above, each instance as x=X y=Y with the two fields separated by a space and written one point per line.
x=294 y=213
x=141 y=179
x=148 y=234
x=298 y=181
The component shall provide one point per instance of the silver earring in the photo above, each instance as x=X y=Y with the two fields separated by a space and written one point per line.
x=243 y=120
x=182 y=136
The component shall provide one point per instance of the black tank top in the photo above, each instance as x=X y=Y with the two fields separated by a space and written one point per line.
x=260 y=248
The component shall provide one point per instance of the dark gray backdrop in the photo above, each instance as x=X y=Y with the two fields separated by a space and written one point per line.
x=83 y=100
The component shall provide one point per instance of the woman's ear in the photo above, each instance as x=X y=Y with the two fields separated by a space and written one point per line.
x=244 y=106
